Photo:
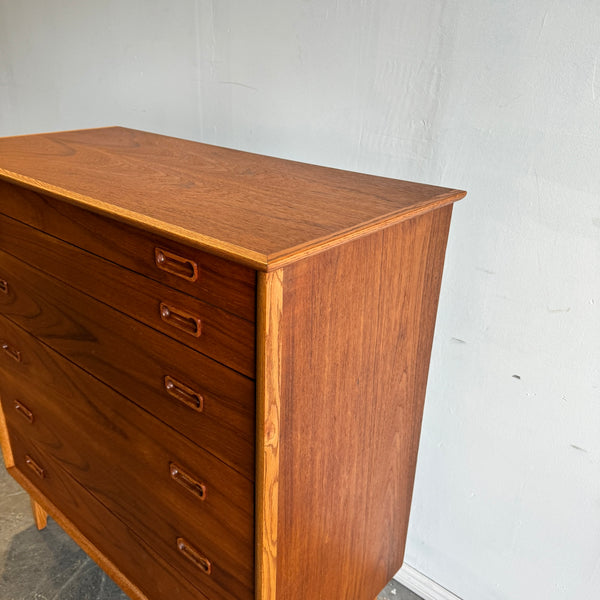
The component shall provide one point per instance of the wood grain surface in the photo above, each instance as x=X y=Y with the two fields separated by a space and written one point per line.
x=122 y=455
x=357 y=326
x=221 y=283
x=133 y=359
x=268 y=406
x=225 y=337
x=257 y=210
x=102 y=535
x=7 y=454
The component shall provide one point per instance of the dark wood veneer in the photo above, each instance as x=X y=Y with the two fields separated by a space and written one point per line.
x=223 y=336
x=99 y=531
x=220 y=282
x=134 y=360
x=122 y=455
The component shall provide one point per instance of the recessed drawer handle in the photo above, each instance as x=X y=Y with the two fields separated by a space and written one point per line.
x=181 y=319
x=176 y=265
x=183 y=393
x=194 y=555
x=23 y=411
x=3 y=286
x=35 y=467
x=12 y=352
x=187 y=481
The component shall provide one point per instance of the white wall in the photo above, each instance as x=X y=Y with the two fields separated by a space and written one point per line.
x=501 y=98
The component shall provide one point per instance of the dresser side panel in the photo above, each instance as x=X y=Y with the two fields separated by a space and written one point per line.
x=356 y=331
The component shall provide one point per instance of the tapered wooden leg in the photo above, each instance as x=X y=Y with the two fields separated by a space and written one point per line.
x=40 y=516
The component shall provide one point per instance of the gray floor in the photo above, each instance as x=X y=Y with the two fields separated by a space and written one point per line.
x=48 y=565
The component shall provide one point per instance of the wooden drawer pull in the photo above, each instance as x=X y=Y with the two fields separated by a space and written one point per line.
x=181 y=319
x=23 y=411
x=12 y=352
x=194 y=555
x=35 y=467
x=3 y=286
x=183 y=393
x=176 y=265
x=187 y=481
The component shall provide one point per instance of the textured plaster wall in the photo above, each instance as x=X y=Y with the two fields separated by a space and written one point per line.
x=499 y=97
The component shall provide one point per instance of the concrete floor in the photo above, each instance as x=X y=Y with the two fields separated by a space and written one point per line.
x=48 y=565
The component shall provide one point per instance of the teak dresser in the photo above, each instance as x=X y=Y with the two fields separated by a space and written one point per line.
x=213 y=363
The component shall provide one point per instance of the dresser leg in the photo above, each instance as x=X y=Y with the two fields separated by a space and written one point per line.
x=40 y=516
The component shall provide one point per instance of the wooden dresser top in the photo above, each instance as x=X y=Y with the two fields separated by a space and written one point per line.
x=260 y=211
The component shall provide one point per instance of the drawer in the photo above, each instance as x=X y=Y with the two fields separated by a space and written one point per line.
x=217 y=281
x=135 y=558
x=209 y=403
x=219 y=334
x=163 y=487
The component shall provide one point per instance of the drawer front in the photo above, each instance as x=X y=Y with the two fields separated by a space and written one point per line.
x=142 y=565
x=209 y=403
x=217 y=281
x=162 y=486
x=223 y=336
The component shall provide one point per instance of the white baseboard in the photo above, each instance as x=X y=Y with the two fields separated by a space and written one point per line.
x=421 y=584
